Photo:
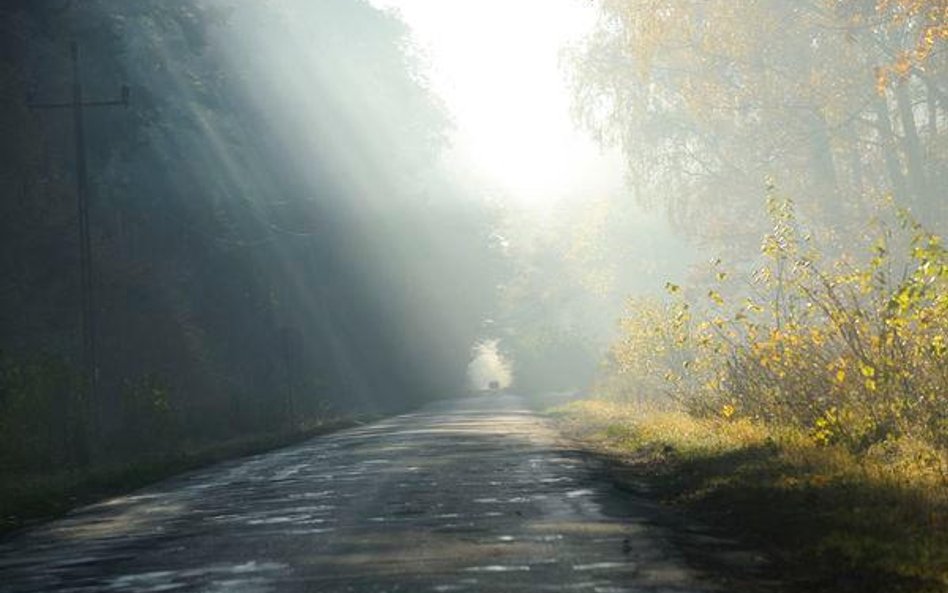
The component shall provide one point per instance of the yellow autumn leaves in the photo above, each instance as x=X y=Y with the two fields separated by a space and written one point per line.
x=851 y=352
x=928 y=19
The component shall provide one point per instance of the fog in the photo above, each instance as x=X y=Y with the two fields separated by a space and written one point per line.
x=311 y=209
x=488 y=369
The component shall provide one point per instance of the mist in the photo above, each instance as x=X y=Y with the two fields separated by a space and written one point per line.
x=488 y=368
x=232 y=225
x=361 y=206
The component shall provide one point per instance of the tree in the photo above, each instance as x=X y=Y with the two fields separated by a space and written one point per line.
x=713 y=101
x=276 y=174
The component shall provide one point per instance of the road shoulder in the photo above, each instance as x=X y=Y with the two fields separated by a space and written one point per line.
x=732 y=505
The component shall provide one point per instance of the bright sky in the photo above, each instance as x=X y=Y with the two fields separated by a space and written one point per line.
x=496 y=63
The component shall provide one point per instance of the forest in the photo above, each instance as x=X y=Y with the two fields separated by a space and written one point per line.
x=239 y=286
x=801 y=363
x=230 y=225
x=804 y=145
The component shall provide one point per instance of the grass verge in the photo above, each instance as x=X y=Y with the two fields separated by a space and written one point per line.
x=828 y=519
x=27 y=499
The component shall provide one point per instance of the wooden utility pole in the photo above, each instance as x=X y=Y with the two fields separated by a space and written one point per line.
x=89 y=358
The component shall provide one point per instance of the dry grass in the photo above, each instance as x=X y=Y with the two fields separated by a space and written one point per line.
x=833 y=520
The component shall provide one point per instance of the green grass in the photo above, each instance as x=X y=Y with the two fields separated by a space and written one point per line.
x=830 y=520
x=28 y=498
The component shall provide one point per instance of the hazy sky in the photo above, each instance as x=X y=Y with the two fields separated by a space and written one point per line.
x=496 y=65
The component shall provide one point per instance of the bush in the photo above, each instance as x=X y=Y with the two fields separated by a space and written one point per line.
x=40 y=407
x=852 y=352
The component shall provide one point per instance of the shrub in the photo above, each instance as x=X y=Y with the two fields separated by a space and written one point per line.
x=40 y=407
x=852 y=351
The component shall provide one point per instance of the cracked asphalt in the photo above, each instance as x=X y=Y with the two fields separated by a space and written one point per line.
x=475 y=494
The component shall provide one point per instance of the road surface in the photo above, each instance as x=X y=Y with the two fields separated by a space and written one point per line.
x=472 y=495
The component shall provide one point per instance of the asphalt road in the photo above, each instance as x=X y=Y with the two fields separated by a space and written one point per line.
x=472 y=495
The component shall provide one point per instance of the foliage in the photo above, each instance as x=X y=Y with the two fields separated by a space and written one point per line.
x=148 y=419
x=267 y=241
x=708 y=99
x=852 y=352
x=39 y=402
x=829 y=519
x=928 y=19
x=566 y=278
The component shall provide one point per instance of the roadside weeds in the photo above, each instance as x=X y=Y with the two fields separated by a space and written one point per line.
x=828 y=521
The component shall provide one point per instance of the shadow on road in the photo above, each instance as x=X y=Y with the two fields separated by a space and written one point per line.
x=477 y=494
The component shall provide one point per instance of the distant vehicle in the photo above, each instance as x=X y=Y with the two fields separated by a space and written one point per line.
x=493 y=385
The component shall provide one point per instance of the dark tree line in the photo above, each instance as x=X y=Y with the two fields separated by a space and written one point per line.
x=267 y=225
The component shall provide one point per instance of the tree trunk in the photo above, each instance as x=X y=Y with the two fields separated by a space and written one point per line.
x=913 y=149
x=932 y=102
x=823 y=165
x=887 y=139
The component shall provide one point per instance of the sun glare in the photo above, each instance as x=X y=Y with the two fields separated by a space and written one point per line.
x=496 y=65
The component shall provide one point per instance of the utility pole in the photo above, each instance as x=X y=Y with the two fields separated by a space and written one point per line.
x=89 y=358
